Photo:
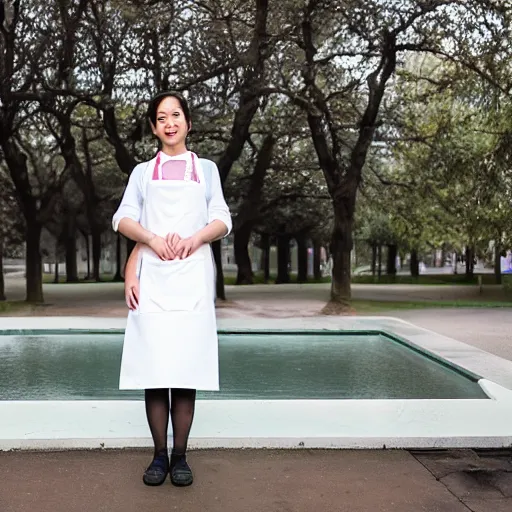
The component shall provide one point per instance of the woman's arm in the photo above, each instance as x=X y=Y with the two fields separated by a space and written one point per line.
x=130 y=270
x=218 y=210
x=131 y=281
x=216 y=230
x=134 y=231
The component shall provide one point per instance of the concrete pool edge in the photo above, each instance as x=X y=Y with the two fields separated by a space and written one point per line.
x=268 y=424
x=286 y=424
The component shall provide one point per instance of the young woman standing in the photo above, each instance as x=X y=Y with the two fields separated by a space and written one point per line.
x=173 y=207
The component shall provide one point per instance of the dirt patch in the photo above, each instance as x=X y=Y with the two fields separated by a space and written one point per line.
x=338 y=309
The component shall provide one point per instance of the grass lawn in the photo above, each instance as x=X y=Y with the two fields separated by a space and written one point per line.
x=370 y=306
x=361 y=306
x=434 y=279
x=431 y=279
x=10 y=307
x=258 y=279
x=50 y=279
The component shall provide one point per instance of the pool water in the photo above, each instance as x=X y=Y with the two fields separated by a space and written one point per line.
x=287 y=366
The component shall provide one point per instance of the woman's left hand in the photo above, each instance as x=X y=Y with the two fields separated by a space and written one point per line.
x=187 y=246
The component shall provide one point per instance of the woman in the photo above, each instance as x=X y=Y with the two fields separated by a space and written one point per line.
x=173 y=207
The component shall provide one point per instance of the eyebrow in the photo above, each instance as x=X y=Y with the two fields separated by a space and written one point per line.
x=161 y=112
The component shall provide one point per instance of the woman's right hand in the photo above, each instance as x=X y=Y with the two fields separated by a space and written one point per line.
x=160 y=246
x=131 y=292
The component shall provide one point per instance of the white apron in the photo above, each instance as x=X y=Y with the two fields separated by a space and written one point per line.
x=171 y=339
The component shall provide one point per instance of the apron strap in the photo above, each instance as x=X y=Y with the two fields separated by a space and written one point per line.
x=155 y=170
x=195 y=175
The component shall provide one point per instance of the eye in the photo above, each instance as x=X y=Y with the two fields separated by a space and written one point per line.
x=161 y=119
x=176 y=114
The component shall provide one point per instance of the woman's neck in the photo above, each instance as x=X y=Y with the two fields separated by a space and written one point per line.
x=174 y=151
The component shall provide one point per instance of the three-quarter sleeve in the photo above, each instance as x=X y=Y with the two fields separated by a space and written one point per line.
x=217 y=206
x=131 y=204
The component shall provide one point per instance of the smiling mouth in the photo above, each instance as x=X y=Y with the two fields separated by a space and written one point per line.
x=170 y=134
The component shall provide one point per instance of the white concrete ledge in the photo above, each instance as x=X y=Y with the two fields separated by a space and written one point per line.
x=268 y=423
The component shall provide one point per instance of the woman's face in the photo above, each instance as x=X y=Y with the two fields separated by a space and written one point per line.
x=171 y=125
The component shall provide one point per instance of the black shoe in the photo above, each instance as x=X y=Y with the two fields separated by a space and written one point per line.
x=156 y=473
x=181 y=474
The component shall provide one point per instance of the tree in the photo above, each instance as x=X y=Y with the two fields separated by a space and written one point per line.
x=11 y=228
x=355 y=66
x=458 y=192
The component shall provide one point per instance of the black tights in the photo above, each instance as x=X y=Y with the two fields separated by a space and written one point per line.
x=181 y=407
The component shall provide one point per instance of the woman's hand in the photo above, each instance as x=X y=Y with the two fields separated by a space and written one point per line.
x=172 y=240
x=161 y=247
x=187 y=246
x=131 y=291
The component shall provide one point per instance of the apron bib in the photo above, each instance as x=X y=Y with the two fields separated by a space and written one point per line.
x=171 y=339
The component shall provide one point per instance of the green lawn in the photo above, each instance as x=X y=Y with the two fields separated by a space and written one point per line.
x=258 y=279
x=8 y=307
x=440 y=279
x=360 y=306
x=368 y=306
x=487 y=279
x=50 y=279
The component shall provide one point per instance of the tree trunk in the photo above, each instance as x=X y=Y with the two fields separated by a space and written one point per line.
x=497 y=263
x=283 y=258
x=122 y=154
x=117 y=276
x=265 y=246
x=443 y=256
x=469 y=262
x=96 y=253
x=17 y=164
x=219 y=284
x=302 y=253
x=374 y=260
x=88 y=257
x=71 y=263
x=379 y=256
x=33 y=263
x=391 y=261
x=415 y=264
x=243 y=261
x=341 y=247
x=2 y=282
x=56 y=271
x=317 y=271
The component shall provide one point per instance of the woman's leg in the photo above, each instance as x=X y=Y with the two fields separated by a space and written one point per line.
x=183 y=403
x=157 y=412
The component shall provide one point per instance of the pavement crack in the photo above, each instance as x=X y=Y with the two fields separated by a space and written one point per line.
x=466 y=506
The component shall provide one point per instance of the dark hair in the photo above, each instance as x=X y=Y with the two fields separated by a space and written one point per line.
x=156 y=100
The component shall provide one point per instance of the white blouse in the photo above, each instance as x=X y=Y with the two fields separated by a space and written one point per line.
x=133 y=197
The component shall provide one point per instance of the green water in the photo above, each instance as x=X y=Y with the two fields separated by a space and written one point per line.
x=252 y=366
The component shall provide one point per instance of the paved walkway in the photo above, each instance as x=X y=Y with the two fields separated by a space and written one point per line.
x=274 y=481
x=259 y=481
